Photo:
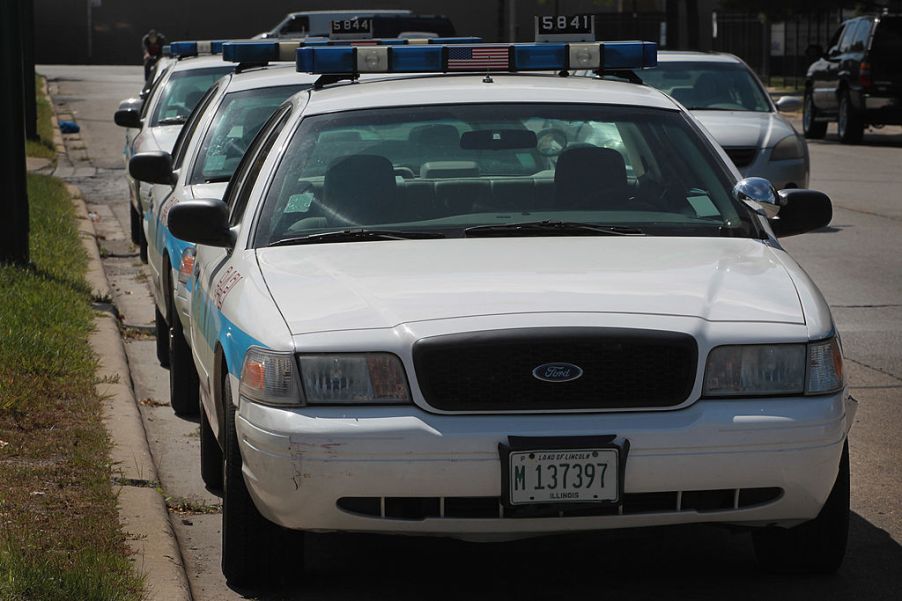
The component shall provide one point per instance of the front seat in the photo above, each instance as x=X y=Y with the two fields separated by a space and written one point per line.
x=590 y=178
x=360 y=190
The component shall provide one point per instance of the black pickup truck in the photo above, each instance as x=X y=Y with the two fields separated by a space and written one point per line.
x=858 y=81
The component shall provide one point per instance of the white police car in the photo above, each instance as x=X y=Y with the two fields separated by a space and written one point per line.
x=203 y=158
x=434 y=306
x=159 y=118
x=206 y=153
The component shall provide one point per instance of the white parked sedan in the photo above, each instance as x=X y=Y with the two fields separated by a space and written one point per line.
x=412 y=316
x=155 y=123
x=730 y=101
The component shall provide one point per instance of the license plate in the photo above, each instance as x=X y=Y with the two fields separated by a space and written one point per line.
x=563 y=476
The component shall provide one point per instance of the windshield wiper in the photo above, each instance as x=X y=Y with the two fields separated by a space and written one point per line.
x=178 y=120
x=359 y=235
x=217 y=180
x=551 y=228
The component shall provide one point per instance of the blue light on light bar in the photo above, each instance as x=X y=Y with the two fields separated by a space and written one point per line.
x=266 y=51
x=467 y=57
x=185 y=49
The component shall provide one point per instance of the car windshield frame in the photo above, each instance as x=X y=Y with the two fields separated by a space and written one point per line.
x=759 y=103
x=279 y=94
x=217 y=71
x=736 y=220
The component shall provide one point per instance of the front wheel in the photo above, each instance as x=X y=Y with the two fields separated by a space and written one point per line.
x=814 y=130
x=162 y=338
x=183 y=381
x=254 y=550
x=817 y=546
x=210 y=455
x=136 y=225
x=850 y=125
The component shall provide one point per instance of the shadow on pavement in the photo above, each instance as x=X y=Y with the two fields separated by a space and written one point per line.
x=684 y=562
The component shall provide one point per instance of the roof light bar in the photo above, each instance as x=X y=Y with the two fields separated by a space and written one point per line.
x=480 y=58
x=185 y=49
x=266 y=51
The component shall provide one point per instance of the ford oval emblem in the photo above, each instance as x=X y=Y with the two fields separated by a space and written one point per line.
x=557 y=372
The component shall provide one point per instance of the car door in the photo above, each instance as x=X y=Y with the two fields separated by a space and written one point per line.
x=827 y=78
x=211 y=263
x=160 y=197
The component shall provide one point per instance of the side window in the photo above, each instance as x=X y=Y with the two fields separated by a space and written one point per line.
x=182 y=142
x=834 y=41
x=862 y=33
x=246 y=173
x=848 y=36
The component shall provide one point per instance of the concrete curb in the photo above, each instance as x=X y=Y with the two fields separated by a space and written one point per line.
x=142 y=510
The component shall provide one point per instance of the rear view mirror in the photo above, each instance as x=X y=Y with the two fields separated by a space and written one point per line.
x=203 y=221
x=789 y=104
x=152 y=167
x=498 y=139
x=802 y=211
x=128 y=117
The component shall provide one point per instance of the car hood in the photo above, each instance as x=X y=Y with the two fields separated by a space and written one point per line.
x=363 y=285
x=165 y=136
x=745 y=128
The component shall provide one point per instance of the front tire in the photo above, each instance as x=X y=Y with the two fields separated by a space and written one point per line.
x=135 y=223
x=210 y=455
x=813 y=130
x=162 y=338
x=254 y=550
x=851 y=124
x=817 y=546
x=183 y=381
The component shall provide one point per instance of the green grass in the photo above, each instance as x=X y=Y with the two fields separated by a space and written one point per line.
x=59 y=529
x=43 y=146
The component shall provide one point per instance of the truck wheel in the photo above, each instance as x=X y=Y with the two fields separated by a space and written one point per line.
x=814 y=130
x=817 y=546
x=162 y=338
x=183 y=382
x=254 y=550
x=210 y=455
x=851 y=125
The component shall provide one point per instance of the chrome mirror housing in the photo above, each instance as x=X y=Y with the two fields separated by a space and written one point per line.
x=759 y=194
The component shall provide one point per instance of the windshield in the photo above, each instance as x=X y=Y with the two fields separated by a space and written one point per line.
x=447 y=169
x=709 y=86
x=182 y=93
x=238 y=119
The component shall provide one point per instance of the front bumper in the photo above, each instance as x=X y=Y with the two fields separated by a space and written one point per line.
x=299 y=463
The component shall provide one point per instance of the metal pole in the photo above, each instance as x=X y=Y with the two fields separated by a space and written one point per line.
x=512 y=20
x=14 y=225
x=31 y=107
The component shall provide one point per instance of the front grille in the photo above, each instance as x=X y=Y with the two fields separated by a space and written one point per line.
x=493 y=371
x=421 y=508
x=742 y=157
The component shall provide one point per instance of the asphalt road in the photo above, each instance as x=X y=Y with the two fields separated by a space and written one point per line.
x=857 y=264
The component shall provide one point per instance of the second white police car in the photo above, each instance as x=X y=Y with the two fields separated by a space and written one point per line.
x=455 y=305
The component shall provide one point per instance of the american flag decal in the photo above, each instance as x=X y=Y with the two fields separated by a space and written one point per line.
x=491 y=58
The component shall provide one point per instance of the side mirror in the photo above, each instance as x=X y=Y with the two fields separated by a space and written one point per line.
x=203 y=221
x=789 y=104
x=814 y=52
x=152 y=167
x=802 y=211
x=128 y=117
x=760 y=195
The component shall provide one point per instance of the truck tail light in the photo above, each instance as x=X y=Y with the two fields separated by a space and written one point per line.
x=864 y=75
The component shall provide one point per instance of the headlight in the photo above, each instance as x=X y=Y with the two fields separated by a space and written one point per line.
x=790 y=147
x=270 y=378
x=774 y=369
x=348 y=379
